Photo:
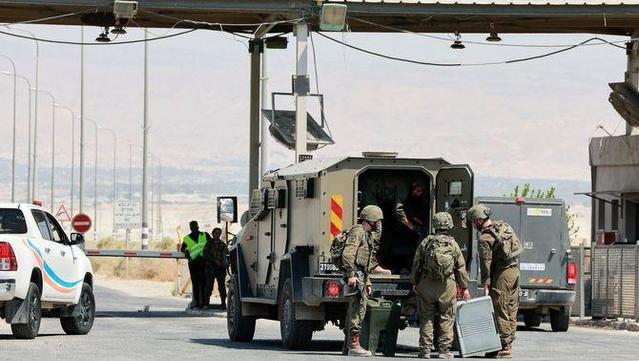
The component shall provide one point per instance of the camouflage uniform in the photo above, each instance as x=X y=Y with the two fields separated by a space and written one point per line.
x=359 y=255
x=436 y=298
x=215 y=253
x=502 y=275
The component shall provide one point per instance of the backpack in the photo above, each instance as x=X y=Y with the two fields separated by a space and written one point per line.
x=508 y=245
x=337 y=248
x=439 y=262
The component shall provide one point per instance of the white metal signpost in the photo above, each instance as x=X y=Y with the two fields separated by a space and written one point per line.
x=127 y=215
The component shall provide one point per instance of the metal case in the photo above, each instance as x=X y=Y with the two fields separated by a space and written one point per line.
x=476 y=328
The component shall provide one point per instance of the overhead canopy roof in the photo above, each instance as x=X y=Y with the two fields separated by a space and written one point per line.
x=508 y=16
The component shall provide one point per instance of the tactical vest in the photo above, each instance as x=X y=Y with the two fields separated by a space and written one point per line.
x=195 y=249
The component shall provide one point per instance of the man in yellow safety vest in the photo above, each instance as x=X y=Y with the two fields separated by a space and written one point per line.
x=193 y=248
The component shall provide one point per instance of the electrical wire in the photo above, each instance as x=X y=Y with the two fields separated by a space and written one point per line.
x=204 y=23
x=97 y=44
x=418 y=62
x=449 y=38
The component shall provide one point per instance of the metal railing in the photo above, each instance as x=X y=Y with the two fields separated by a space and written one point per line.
x=615 y=272
x=582 y=256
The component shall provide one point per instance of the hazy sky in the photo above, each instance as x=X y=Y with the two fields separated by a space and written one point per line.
x=530 y=119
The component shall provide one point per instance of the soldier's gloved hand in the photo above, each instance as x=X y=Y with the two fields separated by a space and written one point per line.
x=460 y=293
x=352 y=282
x=466 y=295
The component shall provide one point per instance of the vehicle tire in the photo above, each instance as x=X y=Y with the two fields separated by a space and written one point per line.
x=241 y=328
x=33 y=305
x=560 y=319
x=81 y=324
x=532 y=318
x=296 y=334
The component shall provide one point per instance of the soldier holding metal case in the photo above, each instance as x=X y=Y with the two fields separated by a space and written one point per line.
x=438 y=270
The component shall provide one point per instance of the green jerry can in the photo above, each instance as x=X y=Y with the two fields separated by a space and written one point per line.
x=381 y=325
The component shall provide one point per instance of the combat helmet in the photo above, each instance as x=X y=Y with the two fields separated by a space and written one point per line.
x=371 y=213
x=442 y=220
x=478 y=211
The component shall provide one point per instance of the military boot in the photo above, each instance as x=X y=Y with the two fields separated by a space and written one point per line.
x=381 y=270
x=445 y=355
x=356 y=350
x=507 y=352
x=423 y=354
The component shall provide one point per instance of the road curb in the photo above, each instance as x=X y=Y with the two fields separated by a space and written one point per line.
x=607 y=324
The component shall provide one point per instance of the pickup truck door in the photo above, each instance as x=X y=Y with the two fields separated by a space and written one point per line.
x=60 y=279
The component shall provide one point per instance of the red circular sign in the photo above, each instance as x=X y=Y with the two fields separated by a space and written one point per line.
x=81 y=223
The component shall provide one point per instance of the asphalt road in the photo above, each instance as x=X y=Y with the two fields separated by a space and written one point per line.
x=167 y=333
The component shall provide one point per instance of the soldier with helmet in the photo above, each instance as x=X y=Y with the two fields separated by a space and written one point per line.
x=438 y=270
x=499 y=250
x=358 y=259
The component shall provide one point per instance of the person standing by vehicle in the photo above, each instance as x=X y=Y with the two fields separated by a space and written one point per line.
x=215 y=255
x=499 y=250
x=438 y=270
x=193 y=248
x=358 y=262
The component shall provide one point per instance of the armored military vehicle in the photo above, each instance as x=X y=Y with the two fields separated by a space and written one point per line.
x=280 y=263
x=548 y=272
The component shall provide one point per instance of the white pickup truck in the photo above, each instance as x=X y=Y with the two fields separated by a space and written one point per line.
x=42 y=269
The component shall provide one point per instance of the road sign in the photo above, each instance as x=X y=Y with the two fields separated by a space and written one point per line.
x=81 y=223
x=127 y=215
x=62 y=215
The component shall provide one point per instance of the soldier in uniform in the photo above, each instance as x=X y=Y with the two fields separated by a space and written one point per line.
x=438 y=269
x=499 y=248
x=358 y=261
x=215 y=255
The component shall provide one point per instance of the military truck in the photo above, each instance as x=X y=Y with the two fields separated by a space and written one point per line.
x=280 y=262
x=548 y=271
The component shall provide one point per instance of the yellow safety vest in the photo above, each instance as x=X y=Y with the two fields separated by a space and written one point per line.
x=195 y=249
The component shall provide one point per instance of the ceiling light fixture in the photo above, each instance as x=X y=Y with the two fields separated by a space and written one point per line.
x=457 y=44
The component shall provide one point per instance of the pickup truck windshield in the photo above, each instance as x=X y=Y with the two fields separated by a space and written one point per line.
x=12 y=221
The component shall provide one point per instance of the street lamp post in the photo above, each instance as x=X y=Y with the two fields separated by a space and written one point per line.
x=145 y=148
x=13 y=141
x=114 y=191
x=29 y=133
x=72 y=151
x=53 y=102
x=35 y=124
x=95 y=183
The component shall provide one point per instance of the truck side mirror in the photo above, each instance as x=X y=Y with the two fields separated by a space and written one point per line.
x=76 y=238
x=226 y=209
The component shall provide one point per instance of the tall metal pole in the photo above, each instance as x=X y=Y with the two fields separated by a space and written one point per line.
x=114 y=190
x=32 y=164
x=160 y=225
x=151 y=198
x=28 y=83
x=264 y=139
x=255 y=48
x=72 y=190
x=301 y=90
x=145 y=147
x=128 y=230
x=95 y=183
x=95 y=187
x=53 y=103
x=81 y=193
x=13 y=136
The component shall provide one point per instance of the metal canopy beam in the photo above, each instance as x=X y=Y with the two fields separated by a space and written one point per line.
x=420 y=17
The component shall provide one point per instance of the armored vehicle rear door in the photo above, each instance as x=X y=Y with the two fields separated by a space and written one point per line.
x=542 y=263
x=454 y=194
